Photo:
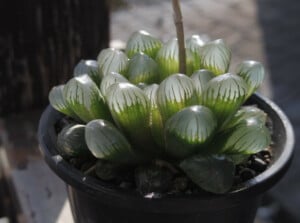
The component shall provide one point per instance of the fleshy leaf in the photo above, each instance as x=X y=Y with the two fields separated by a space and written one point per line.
x=212 y=173
x=253 y=73
x=168 y=59
x=111 y=79
x=245 y=113
x=71 y=141
x=224 y=94
x=58 y=102
x=249 y=137
x=84 y=98
x=201 y=78
x=89 y=67
x=237 y=158
x=194 y=44
x=130 y=109
x=142 y=41
x=112 y=60
x=156 y=123
x=105 y=141
x=187 y=131
x=215 y=56
x=175 y=93
x=142 y=69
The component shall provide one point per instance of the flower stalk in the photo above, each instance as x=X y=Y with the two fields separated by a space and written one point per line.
x=180 y=36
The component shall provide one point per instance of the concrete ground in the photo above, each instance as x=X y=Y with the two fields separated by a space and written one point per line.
x=267 y=31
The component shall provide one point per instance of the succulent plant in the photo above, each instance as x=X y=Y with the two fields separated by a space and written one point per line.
x=134 y=108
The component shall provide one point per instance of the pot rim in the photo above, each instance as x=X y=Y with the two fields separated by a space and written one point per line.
x=102 y=190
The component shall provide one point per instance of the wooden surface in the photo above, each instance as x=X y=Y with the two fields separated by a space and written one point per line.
x=41 y=41
x=38 y=195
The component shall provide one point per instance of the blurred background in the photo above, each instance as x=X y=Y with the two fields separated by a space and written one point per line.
x=41 y=41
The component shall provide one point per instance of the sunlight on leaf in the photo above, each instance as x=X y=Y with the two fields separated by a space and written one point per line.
x=130 y=109
x=245 y=113
x=142 y=69
x=142 y=41
x=224 y=95
x=248 y=137
x=105 y=141
x=85 y=99
x=188 y=130
x=112 y=60
x=175 y=93
x=89 y=67
x=58 y=102
x=215 y=56
x=200 y=79
x=253 y=73
x=156 y=123
x=168 y=59
x=111 y=79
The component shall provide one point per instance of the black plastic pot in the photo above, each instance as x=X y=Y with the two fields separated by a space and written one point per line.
x=93 y=200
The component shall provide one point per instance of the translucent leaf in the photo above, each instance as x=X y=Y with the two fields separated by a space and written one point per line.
x=105 y=141
x=175 y=93
x=156 y=123
x=84 y=98
x=245 y=113
x=111 y=79
x=248 y=137
x=58 y=102
x=89 y=67
x=142 y=69
x=142 y=41
x=253 y=73
x=237 y=158
x=224 y=95
x=168 y=59
x=71 y=141
x=211 y=173
x=194 y=44
x=215 y=56
x=188 y=130
x=130 y=109
x=200 y=79
x=112 y=60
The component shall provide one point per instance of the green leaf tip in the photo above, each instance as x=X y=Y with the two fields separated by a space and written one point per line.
x=89 y=67
x=142 y=41
x=175 y=93
x=105 y=141
x=253 y=73
x=142 y=69
x=187 y=131
x=215 y=56
x=224 y=94
x=112 y=60
x=85 y=99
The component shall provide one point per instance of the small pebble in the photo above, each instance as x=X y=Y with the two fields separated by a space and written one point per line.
x=265 y=153
x=268 y=161
x=247 y=174
x=258 y=165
